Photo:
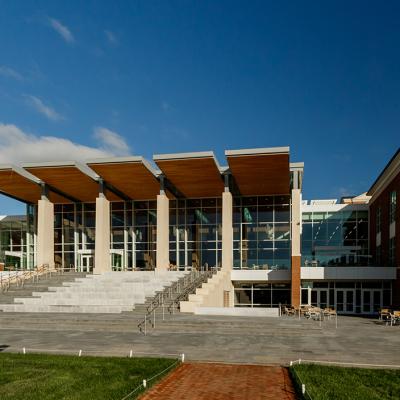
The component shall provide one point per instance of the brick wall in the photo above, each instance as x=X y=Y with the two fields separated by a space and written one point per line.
x=383 y=201
x=296 y=280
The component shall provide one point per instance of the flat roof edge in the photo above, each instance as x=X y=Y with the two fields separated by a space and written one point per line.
x=296 y=165
x=180 y=156
x=114 y=160
x=120 y=160
x=47 y=164
x=258 y=151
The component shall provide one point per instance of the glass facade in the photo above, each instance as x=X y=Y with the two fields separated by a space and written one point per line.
x=261 y=232
x=195 y=233
x=132 y=240
x=249 y=294
x=337 y=238
x=363 y=297
x=17 y=250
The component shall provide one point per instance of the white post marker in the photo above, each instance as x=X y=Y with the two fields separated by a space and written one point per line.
x=130 y=354
x=291 y=363
x=183 y=357
x=80 y=353
x=23 y=350
x=144 y=383
x=303 y=388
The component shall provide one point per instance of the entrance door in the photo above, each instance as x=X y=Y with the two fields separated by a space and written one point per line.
x=371 y=301
x=117 y=260
x=87 y=262
x=323 y=298
x=345 y=300
x=319 y=298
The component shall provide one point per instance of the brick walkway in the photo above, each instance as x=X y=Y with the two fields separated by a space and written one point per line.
x=200 y=381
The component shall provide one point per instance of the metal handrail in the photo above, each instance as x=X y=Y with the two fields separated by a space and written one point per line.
x=190 y=289
x=168 y=297
x=20 y=276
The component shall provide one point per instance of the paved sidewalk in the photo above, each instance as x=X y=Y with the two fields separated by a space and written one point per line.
x=202 y=338
x=200 y=381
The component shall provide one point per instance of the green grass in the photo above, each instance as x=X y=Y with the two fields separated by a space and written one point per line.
x=42 y=377
x=335 y=383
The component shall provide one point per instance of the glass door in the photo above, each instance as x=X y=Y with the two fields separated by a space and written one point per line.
x=371 y=301
x=87 y=262
x=319 y=298
x=117 y=260
x=323 y=298
x=345 y=300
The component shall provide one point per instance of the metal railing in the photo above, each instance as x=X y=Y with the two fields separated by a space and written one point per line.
x=19 y=277
x=171 y=296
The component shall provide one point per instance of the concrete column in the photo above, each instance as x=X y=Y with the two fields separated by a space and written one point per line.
x=296 y=247
x=162 y=262
x=227 y=231
x=102 y=261
x=45 y=233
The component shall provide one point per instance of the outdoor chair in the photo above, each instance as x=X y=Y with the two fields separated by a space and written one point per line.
x=289 y=311
x=313 y=313
x=384 y=314
x=329 y=312
x=394 y=318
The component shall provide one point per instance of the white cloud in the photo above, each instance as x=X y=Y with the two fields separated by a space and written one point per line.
x=42 y=108
x=17 y=146
x=10 y=73
x=111 y=140
x=111 y=38
x=62 y=30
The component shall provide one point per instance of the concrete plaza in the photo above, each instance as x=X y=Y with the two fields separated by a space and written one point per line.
x=254 y=340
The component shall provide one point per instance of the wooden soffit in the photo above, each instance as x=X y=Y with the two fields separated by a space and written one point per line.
x=260 y=171
x=131 y=176
x=68 y=178
x=193 y=174
x=19 y=185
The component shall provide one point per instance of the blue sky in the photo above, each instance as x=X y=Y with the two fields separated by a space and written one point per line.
x=142 y=77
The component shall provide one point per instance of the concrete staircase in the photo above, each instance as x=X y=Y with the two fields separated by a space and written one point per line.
x=41 y=285
x=211 y=293
x=113 y=292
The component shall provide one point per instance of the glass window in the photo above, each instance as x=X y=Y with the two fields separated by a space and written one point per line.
x=378 y=220
x=392 y=208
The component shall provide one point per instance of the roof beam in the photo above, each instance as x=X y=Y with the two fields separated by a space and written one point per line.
x=116 y=191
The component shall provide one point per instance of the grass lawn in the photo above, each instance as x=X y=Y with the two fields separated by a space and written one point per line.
x=42 y=377
x=326 y=383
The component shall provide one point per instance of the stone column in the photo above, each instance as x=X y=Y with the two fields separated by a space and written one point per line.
x=162 y=262
x=45 y=233
x=296 y=247
x=227 y=231
x=102 y=262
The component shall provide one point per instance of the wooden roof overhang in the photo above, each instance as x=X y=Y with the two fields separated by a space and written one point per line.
x=132 y=176
x=194 y=175
x=78 y=182
x=260 y=172
x=21 y=185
